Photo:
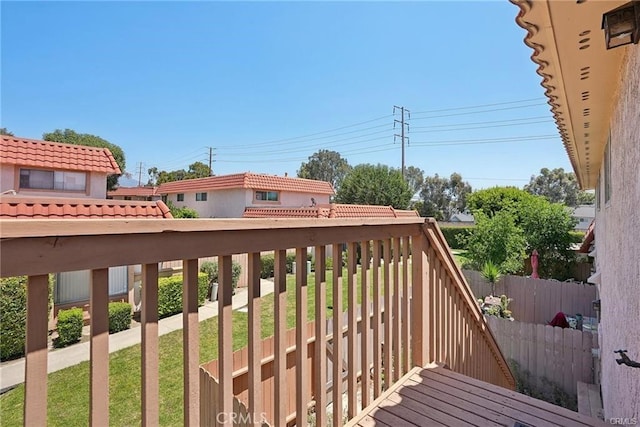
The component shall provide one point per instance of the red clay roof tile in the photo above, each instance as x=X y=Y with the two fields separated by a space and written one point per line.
x=17 y=207
x=329 y=211
x=54 y=155
x=250 y=180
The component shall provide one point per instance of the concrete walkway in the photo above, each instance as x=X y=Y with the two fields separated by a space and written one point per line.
x=12 y=372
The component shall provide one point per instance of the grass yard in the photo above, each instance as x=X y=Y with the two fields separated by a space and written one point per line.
x=68 y=396
x=460 y=256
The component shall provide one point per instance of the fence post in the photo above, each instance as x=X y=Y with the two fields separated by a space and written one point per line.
x=420 y=296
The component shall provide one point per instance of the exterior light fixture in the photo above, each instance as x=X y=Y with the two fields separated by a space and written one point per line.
x=622 y=25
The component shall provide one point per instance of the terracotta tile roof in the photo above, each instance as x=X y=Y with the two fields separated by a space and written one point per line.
x=54 y=155
x=17 y=207
x=249 y=180
x=329 y=211
x=133 y=191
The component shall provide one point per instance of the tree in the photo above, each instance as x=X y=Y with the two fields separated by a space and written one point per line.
x=442 y=197
x=374 y=185
x=545 y=226
x=496 y=240
x=4 y=131
x=325 y=165
x=69 y=136
x=558 y=186
x=415 y=178
x=196 y=170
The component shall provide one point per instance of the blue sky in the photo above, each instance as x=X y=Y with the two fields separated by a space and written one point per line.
x=267 y=84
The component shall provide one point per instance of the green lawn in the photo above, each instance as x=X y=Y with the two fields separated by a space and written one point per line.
x=460 y=256
x=69 y=388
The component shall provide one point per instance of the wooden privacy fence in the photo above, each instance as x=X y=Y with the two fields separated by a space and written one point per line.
x=537 y=300
x=562 y=356
x=410 y=260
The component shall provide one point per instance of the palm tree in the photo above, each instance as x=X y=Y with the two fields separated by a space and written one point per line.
x=491 y=273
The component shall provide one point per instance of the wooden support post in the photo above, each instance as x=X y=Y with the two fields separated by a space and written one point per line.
x=421 y=308
x=365 y=379
x=337 y=334
x=352 y=329
x=225 y=339
x=320 y=366
x=302 y=368
x=280 y=339
x=255 y=337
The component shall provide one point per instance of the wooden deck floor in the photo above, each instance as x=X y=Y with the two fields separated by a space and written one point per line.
x=434 y=396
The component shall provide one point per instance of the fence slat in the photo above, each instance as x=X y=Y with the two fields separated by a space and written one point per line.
x=396 y=331
x=377 y=320
x=406 y=313
x=190 y=342
x=388 y=315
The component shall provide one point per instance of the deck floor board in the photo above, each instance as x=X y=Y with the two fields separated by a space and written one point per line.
x=435 y=396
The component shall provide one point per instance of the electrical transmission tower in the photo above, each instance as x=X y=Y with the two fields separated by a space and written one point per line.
x=404 y=129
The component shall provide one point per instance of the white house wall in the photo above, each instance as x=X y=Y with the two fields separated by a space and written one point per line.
x=232 y=203
x=7 y=178
x=618 y=251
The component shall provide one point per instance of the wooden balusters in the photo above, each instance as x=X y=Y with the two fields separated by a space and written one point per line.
x=150 y=350
x=99 y=366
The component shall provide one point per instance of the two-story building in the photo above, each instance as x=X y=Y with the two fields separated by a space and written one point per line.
x=227 y=196
x=42 y=168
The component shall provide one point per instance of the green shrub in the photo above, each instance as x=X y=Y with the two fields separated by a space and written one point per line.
x=13 y=315
x=456 y=236
x=267 y=265
x=69 y=327
x=210 y=268
x=119 y=316
x=170 y=293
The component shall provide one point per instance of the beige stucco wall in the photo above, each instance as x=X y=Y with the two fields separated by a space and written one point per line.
x=618 y=251
x=96 y=183
x=287 y=199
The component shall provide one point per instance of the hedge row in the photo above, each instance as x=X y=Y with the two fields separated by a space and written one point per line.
x=13 y=315
x=267 y=264
x=170 y=293
x=455 y=236
x=210 y=268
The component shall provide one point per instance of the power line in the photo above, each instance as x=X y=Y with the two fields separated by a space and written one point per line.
x=483 y=122
x=485 y=141
x=478 y=106
x=480 y=112
x=482 y=127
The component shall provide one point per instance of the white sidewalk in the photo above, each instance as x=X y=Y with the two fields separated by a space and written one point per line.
x=12 y=373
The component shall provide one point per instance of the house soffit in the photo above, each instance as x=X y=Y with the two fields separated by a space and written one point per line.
x=579 y=74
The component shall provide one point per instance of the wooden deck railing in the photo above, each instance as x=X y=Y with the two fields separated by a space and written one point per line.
x=409 y=261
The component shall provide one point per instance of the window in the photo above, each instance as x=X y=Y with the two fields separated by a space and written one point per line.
x=201 y=197
x=607 y=171
x=269 y=196
x=180 y=197
x=53 y=180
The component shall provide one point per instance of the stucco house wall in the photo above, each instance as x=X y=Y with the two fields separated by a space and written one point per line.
x=96 y=184
x=618 y=250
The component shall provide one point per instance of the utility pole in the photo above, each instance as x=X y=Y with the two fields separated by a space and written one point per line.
x=211 y=160
x=140 y=174
x=403 y=126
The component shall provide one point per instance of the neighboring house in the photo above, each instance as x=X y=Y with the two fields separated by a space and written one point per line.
x=465 y=218
x=227 y=196
x=332 y=210
x=134 y=193
x=72 y=288
x=42 y=168
x=595 y=98
x=585 y=214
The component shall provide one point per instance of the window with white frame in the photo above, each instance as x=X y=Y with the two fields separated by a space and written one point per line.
x=267 y=196
x=201 y=197
x=38 y=179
